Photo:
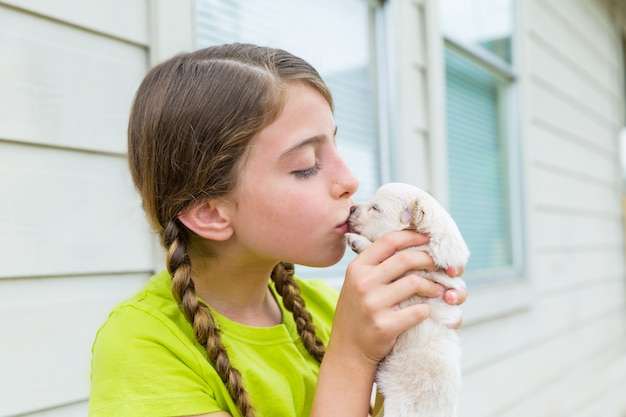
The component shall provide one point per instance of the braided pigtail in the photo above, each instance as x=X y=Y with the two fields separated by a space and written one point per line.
x=289 y=290
x=176 y=239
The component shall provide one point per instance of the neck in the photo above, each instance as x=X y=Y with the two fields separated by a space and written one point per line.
x=238 y=292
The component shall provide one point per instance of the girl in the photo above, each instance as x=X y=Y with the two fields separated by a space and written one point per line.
x=232 y=149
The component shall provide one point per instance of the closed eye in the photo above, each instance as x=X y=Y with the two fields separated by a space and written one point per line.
x=375 y=208
x=306 y=173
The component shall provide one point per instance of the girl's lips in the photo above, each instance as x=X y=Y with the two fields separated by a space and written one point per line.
x=344 y=227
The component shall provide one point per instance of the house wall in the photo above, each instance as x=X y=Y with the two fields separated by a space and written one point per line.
x=73 y=239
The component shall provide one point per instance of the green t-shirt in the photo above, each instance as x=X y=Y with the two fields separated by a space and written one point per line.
x=146 y=361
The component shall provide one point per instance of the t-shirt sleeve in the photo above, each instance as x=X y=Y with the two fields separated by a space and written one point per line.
x=142 y=365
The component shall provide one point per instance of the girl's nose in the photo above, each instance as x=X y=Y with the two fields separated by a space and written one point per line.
x=348 y=182
x=345 y=183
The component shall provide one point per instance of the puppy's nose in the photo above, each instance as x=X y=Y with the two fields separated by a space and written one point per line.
x=352 y=209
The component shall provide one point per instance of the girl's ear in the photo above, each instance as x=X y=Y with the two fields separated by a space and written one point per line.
x=208 y=219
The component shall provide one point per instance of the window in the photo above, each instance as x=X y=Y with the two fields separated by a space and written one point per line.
x=483 y=191
x=334 y=37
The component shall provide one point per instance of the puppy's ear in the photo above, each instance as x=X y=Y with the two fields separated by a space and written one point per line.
x=407 y=216
x=417 y=215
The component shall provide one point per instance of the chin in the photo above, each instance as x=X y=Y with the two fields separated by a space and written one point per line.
x=331 y=259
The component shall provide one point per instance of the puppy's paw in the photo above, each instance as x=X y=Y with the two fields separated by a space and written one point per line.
x=356 y=242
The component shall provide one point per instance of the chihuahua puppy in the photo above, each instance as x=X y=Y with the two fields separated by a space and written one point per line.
x=421 y=376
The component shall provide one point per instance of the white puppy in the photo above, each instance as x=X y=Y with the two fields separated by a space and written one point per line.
x=421 y=376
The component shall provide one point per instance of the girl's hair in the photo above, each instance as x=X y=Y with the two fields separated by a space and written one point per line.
x=190 y=126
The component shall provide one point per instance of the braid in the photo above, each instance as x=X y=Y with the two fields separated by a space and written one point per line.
x=175 y=237
x=288 y=288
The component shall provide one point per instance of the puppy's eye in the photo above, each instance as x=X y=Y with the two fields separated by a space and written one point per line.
x=375 y=208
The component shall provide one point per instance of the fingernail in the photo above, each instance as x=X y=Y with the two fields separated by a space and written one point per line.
x=454 y=297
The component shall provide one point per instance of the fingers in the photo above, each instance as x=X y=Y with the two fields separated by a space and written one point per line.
x=455 y=297
x=387 y=261
x=404 y=262
x=409 y=316
x=391 y=243
x=412 y=284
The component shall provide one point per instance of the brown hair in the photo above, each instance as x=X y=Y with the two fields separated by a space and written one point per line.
x=190 y=125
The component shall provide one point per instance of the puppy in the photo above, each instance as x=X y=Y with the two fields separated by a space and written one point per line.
x=421 y=376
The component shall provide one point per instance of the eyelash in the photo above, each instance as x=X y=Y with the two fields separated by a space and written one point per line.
x=304 y=174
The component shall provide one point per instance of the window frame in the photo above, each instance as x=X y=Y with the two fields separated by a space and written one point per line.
x=509 y=118
x=504 y=293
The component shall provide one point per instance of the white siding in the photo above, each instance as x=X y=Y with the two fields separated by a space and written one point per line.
x=73 y=241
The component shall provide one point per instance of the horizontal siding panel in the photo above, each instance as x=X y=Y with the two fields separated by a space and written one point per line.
x=69 y=213
x=604 y=402
x=563 y=269
x=498 y=387
x=548 y=67
x=590 y=24
x=548 y=315
x=560 y=229
x=576 y=193
x=124 y=19
x=564 y=115
x=568 y=153
x=585 y=390
x=45 y=352
x=549 y=25
x=65 y=87
x=79 y=409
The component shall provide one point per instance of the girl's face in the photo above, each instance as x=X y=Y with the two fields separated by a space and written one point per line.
x=294 y=194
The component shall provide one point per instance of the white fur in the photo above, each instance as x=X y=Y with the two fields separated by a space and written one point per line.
x=421 y=376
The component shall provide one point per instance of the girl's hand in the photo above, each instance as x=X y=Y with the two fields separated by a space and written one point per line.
x=368 y=320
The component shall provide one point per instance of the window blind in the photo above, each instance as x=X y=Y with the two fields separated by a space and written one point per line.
x=478 y=176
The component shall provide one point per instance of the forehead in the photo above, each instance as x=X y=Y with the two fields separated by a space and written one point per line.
x=305 y=116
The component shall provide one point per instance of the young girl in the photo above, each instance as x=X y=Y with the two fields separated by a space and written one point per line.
x=232 y=149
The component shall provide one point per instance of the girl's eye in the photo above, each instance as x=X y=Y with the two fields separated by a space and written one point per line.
x=307 y=172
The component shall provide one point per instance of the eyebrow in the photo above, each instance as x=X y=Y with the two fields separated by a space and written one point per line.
x=314 y=140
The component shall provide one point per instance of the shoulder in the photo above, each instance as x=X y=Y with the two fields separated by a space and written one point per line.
x=143 y=328
x=146 y=339
x=153 y=310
